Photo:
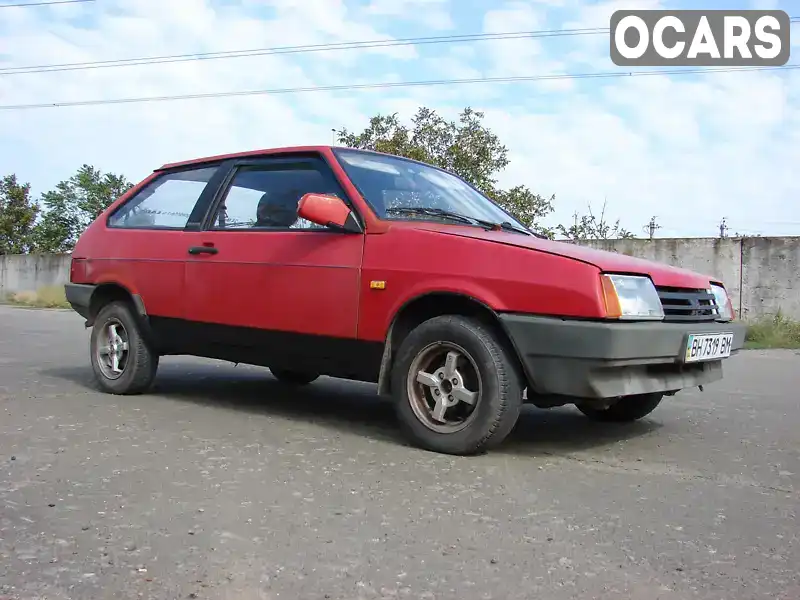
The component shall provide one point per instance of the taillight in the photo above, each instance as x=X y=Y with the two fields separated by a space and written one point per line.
x=77 y=270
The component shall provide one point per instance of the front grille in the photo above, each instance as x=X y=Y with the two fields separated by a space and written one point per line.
x=683 y=305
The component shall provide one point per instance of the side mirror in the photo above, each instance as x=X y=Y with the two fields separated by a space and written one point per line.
x=328 y=211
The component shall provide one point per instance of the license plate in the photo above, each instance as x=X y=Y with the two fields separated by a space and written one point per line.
x=708 y=346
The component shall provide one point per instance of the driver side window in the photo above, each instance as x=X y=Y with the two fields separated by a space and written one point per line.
x=266 y=197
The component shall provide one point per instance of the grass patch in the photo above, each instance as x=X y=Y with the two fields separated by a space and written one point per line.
x=775 y=331
x=51 y=296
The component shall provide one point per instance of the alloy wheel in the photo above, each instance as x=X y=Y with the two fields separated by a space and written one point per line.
x=444 y=387
x=112 y=349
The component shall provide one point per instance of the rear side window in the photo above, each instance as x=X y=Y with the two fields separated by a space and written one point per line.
x=164 y=203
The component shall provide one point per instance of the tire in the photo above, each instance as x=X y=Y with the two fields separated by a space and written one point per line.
x=137 y=370
x=293 y=377
x=484 y=367
x=626 y=409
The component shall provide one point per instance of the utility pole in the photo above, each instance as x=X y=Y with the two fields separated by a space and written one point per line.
x=723 y=227
x=651 y=227
x=333 y=136
x=575 y=227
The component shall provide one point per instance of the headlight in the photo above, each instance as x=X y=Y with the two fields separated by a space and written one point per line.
x=631 y=297
x=723 y=302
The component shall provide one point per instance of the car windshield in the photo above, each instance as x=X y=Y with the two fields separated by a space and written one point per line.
x=397 y=188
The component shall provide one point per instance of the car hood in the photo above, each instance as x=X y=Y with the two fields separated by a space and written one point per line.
x=661 y=274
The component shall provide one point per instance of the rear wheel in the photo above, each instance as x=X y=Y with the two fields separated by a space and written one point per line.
x=627 y=408
x=122 y=360
x=293 y=377
x=457 y=389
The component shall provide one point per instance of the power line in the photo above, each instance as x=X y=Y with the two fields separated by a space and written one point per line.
x=366 y=44
x=50 y=3
x=399 y=84
x=384 y=85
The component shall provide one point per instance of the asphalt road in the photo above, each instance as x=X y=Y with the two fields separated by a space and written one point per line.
x=224 y=483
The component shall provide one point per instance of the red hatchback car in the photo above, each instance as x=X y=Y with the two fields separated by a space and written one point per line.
x=353 y=264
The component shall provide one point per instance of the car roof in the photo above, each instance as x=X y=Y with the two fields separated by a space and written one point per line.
x=245 y=154
x=273 y=151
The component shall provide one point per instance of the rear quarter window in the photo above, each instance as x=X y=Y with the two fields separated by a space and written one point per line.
x=164 y=203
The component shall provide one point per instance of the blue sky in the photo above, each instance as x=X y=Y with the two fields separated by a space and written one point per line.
x=689 y=150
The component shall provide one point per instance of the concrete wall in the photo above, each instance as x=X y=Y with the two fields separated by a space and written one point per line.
x=771 y=276
x=29 y=273
x=761 y=274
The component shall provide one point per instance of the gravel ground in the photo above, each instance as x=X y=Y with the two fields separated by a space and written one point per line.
x=224 y=483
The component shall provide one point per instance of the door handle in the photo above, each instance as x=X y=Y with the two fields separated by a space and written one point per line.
x=202 y=250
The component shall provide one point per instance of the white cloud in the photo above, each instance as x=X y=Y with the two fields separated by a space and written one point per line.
x=135 y=138
x=523 y=56
x=514 y=57
x=688 y=149
x=765 y=4
x=434 y=14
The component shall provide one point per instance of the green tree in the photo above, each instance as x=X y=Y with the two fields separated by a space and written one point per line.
x=17 y=216
x=528 y=207
x=591 y=227
x=73 y=205
x=464 y=147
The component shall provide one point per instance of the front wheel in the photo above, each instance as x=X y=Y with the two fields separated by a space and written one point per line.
x=627 y=408
x=457 y=389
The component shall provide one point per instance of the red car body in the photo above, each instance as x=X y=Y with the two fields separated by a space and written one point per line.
x=338 y=302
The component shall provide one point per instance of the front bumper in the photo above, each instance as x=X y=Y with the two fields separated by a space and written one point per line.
x=590 y=359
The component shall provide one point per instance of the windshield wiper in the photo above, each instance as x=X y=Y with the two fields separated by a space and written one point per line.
x=505 y=226
x=439 y=212
x=436 y=212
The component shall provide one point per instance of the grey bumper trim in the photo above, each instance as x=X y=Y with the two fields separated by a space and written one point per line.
x=592 y=359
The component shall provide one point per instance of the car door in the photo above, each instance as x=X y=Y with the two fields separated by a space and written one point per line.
x=255 y=268
x=146 y=249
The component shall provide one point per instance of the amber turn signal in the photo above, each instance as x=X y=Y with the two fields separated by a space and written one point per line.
x=613 y=308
